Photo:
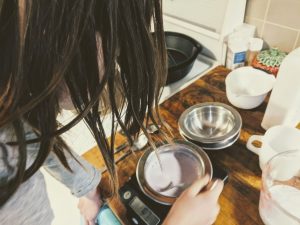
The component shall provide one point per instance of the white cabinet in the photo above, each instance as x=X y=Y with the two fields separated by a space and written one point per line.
x=208 y=21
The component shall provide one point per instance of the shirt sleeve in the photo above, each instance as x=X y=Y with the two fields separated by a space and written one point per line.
x=9 y=155
x=83 y=178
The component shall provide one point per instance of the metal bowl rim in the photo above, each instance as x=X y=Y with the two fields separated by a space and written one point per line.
x=237 y=125
x=159 y=198
x=221 y=146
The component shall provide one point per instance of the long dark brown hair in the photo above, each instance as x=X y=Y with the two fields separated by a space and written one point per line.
x=46 y=45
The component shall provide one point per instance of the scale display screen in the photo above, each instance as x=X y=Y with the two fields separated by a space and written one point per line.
x=143 y=212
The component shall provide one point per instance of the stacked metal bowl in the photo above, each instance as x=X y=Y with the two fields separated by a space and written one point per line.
x=211 y=125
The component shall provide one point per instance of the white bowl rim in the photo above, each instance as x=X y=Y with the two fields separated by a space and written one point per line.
x=233 y=73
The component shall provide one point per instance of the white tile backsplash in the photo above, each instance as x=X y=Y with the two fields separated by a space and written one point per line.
x=277 y=21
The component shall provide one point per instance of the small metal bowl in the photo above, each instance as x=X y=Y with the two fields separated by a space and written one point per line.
x=217 y=145
x=180 y=148
x=210 y=122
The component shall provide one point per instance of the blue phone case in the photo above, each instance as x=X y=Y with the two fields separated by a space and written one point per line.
x=105 y=217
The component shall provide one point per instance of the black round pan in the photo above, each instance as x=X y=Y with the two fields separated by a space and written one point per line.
x=182 y=53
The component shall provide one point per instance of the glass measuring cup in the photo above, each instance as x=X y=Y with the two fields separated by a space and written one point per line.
x=280 y=193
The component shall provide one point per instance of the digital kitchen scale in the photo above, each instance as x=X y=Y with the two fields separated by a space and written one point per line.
x=141 y=210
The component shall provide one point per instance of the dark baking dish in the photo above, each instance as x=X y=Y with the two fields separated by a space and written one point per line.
x=182 y=53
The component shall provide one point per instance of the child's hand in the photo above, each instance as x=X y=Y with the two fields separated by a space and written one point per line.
x=89 y=206
x=194 y=208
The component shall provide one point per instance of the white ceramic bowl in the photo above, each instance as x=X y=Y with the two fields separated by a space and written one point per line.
x=246 y=87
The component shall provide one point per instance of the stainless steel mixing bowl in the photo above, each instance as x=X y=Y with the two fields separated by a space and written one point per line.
x=182 y=149
x=210 y=123
x=216 y=145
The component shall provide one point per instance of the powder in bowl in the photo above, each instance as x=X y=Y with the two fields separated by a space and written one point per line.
x=179 y=166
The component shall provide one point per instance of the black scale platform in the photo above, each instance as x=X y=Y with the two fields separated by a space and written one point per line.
x=141 y=210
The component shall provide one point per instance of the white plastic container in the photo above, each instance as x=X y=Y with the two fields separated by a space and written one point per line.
x=238 y=43
x=247 y=30
x=236 y=53
x=284 y=103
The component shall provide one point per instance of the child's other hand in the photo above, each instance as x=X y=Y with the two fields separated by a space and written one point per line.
x=194 y=208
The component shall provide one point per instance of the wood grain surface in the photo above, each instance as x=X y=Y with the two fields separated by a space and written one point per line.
x=240 y=197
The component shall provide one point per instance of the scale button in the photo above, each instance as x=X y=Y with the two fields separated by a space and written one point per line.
x=135 y=220
x=127 y=195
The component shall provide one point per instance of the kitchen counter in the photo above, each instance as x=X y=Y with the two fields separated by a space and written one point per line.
x=240 y=197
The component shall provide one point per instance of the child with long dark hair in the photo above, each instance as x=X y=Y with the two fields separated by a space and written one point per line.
x=96 y=55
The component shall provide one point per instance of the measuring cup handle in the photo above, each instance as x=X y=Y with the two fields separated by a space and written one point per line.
x=250 y=146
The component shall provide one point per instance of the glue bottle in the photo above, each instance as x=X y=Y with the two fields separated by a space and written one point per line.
x=255 y=46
